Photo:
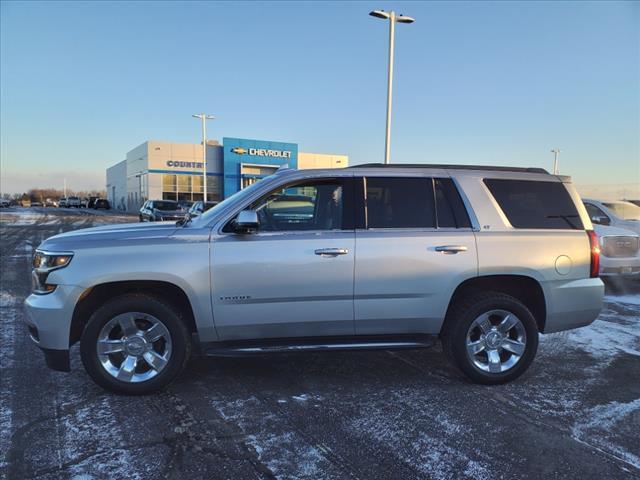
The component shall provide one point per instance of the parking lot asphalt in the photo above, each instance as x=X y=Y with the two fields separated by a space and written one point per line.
x=359 y=415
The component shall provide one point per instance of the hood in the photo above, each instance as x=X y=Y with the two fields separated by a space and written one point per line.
x=606 y=230
x=125 y=233
x=633 y=225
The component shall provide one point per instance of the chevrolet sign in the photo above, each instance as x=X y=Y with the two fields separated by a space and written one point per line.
x=262 y=152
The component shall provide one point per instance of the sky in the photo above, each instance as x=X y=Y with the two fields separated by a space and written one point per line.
x=499 y=83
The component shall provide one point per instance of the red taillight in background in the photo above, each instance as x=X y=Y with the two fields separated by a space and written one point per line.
x=594 y=245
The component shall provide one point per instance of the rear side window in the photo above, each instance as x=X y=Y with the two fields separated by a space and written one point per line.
x=535 y=204
x=449 y=205
x=400 y=202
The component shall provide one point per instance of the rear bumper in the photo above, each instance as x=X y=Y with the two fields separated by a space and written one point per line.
x=619 y=266
x=572 y=304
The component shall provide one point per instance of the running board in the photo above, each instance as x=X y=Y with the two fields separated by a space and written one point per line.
x=262 y=347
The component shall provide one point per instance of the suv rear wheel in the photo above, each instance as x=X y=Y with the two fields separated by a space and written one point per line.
x=135 y=344
x=492 y=337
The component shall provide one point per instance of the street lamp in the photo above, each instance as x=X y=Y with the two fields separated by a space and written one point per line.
x=393 y=18
x=204 y=117
x=556 y=154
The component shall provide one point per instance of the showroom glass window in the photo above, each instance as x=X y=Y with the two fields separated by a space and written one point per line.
x=169 y=187
x=312 y=205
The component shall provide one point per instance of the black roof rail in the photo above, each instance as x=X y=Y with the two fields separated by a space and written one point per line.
x=452 y=167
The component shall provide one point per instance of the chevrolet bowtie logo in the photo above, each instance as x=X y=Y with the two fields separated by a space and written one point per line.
x=239 y=150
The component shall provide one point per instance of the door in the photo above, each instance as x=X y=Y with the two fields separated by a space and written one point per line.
x=294 y=276
x=416 y=247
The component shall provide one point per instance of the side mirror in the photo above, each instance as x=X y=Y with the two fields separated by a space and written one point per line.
x=246 y=222
x=601 y=220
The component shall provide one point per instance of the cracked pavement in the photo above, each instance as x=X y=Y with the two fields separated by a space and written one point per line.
x=360 y=415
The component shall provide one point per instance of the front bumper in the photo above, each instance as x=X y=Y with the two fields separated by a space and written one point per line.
x=48 y=318
x=573 y=303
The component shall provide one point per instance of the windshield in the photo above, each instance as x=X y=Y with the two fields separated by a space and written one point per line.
x=166 y=206
x=624 y=210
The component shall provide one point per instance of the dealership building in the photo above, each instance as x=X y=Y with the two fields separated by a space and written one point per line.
x=159 y=170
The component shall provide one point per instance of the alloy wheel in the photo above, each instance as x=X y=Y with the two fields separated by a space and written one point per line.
x=496 y=341
x=133 y=347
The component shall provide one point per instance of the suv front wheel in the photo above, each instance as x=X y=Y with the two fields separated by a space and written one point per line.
x=492 y=337
x=135 y=344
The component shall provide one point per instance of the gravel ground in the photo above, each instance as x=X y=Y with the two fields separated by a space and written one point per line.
x=395 y=415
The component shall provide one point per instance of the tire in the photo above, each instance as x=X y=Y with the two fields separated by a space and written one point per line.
x=466 y=330
x=115 y=371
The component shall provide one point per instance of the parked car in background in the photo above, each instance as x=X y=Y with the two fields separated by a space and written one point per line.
x=92 y=201
x=185 y=204
x=101 y=204
x=619 y=214
x=49 y=202
x=197 y=208
x=161 y=210
x=73 y=202
x=84 y=202
x=36 y=204
x=619 y=251
x=5 y=203
x=374 y=256
x=63 y=202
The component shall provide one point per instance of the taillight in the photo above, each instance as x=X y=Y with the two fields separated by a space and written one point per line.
x=594 y=245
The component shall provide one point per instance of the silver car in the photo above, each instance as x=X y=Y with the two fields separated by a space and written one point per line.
x=479 y=258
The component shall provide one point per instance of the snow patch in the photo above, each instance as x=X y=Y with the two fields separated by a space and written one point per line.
x=601 y=425
x=286 y=454
x=628 y=299
x=7 y=359
x=7 y=300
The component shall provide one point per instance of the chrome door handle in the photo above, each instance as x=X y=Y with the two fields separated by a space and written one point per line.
x=451 y=249
x=331 y=252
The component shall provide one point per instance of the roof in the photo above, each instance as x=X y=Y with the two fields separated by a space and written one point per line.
x=452 y=167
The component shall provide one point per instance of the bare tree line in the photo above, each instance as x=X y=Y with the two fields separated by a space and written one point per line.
x=41 y=194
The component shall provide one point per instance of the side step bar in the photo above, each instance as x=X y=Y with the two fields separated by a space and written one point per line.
x=297 y=345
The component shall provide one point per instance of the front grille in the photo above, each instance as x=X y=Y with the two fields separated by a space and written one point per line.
x=620 y=246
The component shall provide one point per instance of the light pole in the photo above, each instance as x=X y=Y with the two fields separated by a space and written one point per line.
x=556 y=154
x=393 y=18
x=204 y=117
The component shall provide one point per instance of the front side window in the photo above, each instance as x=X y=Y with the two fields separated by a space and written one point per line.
x=311 y=205
x=399 y=202
x=535 y=204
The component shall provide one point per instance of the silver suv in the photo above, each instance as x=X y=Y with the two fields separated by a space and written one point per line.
x=481 y=258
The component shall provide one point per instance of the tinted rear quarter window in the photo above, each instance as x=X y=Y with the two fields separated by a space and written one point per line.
x=535 y=204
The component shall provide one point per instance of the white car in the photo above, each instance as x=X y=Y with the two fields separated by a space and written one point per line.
x=619 y=251
x=616 y=214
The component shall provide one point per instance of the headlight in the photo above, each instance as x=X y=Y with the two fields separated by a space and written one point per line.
x=43 y=264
